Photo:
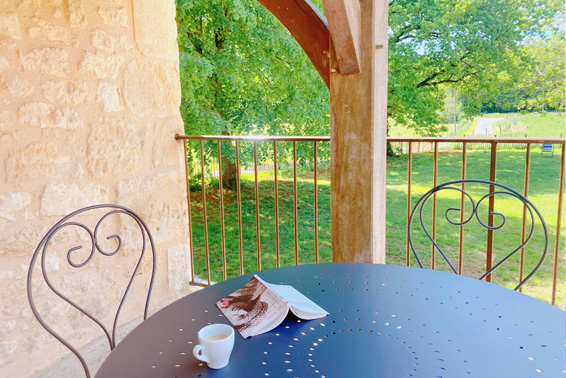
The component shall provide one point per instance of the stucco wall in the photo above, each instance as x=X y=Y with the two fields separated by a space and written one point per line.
x=89 y=106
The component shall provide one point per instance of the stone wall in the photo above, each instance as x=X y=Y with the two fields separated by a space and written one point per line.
x=89 y=106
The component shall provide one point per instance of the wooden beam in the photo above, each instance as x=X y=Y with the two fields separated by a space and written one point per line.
x=309 y=28
x=358 y=116
x=344 y=21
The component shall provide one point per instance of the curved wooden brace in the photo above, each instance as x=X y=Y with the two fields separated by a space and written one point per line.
x=309 y=28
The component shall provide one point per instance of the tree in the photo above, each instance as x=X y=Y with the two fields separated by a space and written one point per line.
x=242 y=73
x=544 y=84
x=468 y=43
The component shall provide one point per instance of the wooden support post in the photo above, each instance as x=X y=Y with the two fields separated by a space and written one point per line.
x=358 y=106
x=344 y=24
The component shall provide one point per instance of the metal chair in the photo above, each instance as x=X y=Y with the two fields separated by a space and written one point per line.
x=499 y=189
x=93 y=235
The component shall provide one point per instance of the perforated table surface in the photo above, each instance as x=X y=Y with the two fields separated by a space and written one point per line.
x=385 y=321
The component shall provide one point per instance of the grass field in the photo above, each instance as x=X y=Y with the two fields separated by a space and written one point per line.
x=531 y=124
x=543 y=193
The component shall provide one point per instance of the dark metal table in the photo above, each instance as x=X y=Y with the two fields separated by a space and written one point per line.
x=385 y=321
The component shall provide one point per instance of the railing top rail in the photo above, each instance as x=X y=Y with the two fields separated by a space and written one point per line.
x=535 y=140
x=258 y=138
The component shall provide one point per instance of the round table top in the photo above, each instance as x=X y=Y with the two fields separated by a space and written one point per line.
x=385 y=321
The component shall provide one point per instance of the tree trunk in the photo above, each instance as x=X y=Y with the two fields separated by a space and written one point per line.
x=228 y=174
x=390 y=151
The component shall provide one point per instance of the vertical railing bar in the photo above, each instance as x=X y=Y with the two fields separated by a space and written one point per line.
x=221 y=190
x=558 y=226
x=462 y=204
x=241 y=245
x=492 y=172
x=257 y=235
x=204 y=213
x=435 y=180
x=295 y=201
x=315 y=205
x=523 y=228
x=409 y=202
x=188 y=178
x=278 y=256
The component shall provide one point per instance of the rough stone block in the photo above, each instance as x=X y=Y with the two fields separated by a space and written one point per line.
x=109 y=97
x=37 y=114
x=115 y=148
x=126 y=44
x=7 y=327
x=114 y=16
x=95 y=306
x=4 y=64
x=156 y=39
x=72 y=92
x=10 y=274
x=49 y=60
x=167 y=151
x=81 y=284
x=10 y=26
x=62 y=199
x=13 y=203
x=157 y=199
x=7 y=120
x=7 y=348
x=77 y=171
x=102 y=41
x=179 y=269
x=152 y=88
x=77 y=16
x=53 y=310
x=20 y=87
x=101 y=66
x=66 y=118
x=49 y=32
x=37 y=161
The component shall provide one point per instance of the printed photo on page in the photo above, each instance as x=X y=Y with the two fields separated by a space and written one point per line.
x=251 y=307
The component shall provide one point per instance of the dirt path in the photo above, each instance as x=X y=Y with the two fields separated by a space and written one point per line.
x=485 y=125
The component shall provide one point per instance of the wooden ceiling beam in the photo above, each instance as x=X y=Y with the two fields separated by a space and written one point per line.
x=344 y=20
x=309 y=28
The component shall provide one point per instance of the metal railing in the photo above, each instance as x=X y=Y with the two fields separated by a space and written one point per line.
x=255 y=140
x=408 y=145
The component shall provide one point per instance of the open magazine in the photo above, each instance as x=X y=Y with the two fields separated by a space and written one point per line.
x=258 y=306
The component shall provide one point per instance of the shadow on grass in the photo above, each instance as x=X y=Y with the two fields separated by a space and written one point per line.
x=543 y=192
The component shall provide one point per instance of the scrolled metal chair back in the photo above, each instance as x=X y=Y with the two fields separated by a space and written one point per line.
x=93 y=234
x=499 y=189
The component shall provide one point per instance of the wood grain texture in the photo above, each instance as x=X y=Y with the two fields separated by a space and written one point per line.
x=358 y=106
x=345 y=28
x=309 y=28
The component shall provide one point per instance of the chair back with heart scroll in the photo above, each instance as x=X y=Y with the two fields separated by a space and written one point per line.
x=495 y=221
x=96 y=249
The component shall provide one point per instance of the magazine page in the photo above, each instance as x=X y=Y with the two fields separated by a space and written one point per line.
x=253 y=308
x=301 y=306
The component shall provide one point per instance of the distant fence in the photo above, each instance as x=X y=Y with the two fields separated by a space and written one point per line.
x=474 y=142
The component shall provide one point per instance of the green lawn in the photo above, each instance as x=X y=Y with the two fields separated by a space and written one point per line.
x=543 y=193
x=531 y=124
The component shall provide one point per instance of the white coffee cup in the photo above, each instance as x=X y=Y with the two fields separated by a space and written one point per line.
x=215 y=343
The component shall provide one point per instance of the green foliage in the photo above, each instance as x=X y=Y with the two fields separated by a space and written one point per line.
x=544 y=85
x=471 y=43
x=540 y=87
x=243 y=73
